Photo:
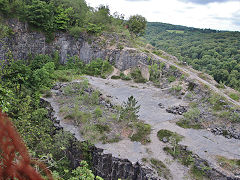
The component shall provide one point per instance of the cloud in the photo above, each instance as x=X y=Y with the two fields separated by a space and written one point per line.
x=220 y=15
x=236 y=18
x=206 y=1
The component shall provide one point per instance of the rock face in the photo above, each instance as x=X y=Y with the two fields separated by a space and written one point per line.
x=24 y=43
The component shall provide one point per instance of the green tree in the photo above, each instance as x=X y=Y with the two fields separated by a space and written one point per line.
x=129 y=110
x=62 y=17
x=137 y=24
x=39 y=14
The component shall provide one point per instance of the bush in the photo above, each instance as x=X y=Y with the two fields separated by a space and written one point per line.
x=171 y=79
x=98 y=67
x=115 y=77
x=137 y=76
x=102 y=128
x=98 y=112
x=142 y=132
x=137 y=24
x=168 y=134
x=124 y=77
x=63 y=75
x=75 y=31
x=234 y=96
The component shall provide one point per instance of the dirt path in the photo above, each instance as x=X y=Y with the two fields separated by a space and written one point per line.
x=194 y=76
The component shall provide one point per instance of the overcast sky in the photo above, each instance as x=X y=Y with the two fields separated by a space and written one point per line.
x=214 y=14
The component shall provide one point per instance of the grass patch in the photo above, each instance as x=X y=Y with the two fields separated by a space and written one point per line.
x=115 y=77
x=187 y=124
x=124 y=77
x=191 y=119
x=171 y=79
x=102 y=128
x=232 y=165
x=63 y=75
x=98 y=112
x=169 y=134
x=47 y=93
x=185 y=157
x=198 y=174
x=142 y=132
x=234 y=96
x=218 y=102
x=137 y=76
x=175 y=31
x=161 y=168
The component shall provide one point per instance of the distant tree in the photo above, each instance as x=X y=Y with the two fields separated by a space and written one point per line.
x=137 y=24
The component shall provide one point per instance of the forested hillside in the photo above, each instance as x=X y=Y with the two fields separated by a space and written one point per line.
x=214 y=52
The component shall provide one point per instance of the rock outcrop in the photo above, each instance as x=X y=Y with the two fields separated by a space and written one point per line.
x=24 y=43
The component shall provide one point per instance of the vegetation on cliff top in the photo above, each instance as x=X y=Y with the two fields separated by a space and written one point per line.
x=73 y=16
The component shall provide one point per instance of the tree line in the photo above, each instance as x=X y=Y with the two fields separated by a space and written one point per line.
x=214 y=52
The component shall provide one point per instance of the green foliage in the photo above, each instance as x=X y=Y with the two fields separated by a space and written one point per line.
x=156 y=71
x=137 y=76
x=142 y=132
x=63 y=75
x=137 y=24
x=234 y=96
x=191 y=119
x=98 y=112
x=115 y=77
x=43 y=77
x=20 y=89
x=93 y=28
x=168 y=134
x=76 y=31
x=161 y=168
x=84 y=173
x=98 y=67
x=124 y=77
x=217 y=102
x=129 y=110
x=171 y=79
x=5 y=31
x=215 y=53
x=62 y=17
x=38 y=13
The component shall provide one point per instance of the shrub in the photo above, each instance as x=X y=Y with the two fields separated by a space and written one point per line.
x=171 y=79
x=124 y=77
x=129 y=110
x=142 y=132
x=115 y=77
x=168 y=134
x=98 y=112
x=234 y=96
x=93 y=28
x=75 y=31
x=98 y=67
x=235 y=117
x=102 y=128
x=137 y=76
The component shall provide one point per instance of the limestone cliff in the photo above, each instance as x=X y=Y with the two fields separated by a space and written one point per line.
x=86 y=47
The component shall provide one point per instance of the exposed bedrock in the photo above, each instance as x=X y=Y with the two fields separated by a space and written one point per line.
x=24 y=42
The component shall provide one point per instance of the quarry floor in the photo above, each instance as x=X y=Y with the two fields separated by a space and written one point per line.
x=201 y=142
